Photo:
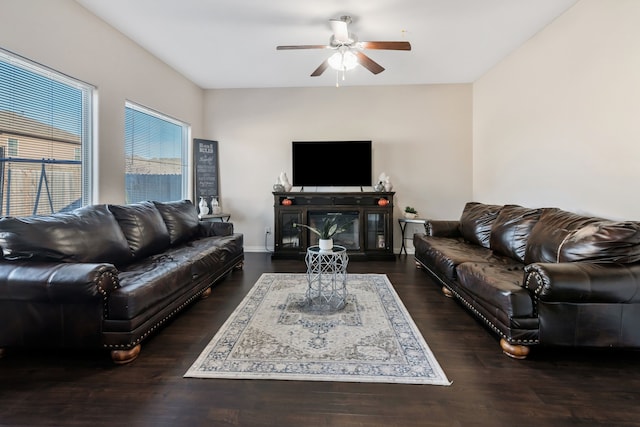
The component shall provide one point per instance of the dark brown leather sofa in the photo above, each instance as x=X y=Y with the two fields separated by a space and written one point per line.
x=107 y=276
x=543 y=277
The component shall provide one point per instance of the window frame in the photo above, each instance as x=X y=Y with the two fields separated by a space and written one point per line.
x=88 y=113
x=185 y=135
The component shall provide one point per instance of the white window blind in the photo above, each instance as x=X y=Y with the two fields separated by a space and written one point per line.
x=155 y=156
x=45 y=120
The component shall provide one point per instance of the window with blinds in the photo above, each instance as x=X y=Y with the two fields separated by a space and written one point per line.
x=155 y=156
x=45 y=139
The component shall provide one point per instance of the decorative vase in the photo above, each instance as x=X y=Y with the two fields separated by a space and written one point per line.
x=387 y=185
x=325 y=245
x=284 y=180
x=215 y=206
x=203 y=207
x=378 y=187
x=278 y=187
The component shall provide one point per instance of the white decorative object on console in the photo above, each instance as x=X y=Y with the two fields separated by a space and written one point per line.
x=215 y=206
x=203 y=207
x=284 y=180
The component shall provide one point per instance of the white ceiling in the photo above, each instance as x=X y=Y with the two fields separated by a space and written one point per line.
x=232 y=43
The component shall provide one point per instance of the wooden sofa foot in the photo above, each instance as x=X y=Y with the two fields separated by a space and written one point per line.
x=514 y=351
x=206 y=293
x=418 y=265
x=122 y=357
x=239 y=266
x=447 y=292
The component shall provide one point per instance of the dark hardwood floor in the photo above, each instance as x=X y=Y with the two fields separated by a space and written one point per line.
x=551 y=388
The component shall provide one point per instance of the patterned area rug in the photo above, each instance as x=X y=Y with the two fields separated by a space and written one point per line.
x=275 y=334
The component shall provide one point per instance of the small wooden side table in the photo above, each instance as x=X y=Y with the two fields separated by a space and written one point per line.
x=403 y=225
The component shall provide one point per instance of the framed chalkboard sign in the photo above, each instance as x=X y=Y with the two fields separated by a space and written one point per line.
x=205 y=167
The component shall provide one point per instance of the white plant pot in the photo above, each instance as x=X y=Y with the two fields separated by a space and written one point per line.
x=409 y=215
x=326 y=245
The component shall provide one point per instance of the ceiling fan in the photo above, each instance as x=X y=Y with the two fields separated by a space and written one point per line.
x=348 y=49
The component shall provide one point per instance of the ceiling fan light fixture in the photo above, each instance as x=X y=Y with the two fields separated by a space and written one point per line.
x=343 y=60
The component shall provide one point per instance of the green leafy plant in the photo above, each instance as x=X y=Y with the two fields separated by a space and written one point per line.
x=411 y=210
x=330 y=227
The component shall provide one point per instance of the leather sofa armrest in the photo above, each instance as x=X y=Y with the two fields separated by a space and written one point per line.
x=442 y=228
x=56 y=282
x=584 y=282
x=215 y=228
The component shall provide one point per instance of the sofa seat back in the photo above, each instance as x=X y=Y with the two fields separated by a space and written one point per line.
x=511 y=230
x=561 y=236
x=87 y=234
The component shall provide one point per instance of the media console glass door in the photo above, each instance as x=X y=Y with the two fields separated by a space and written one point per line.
x=290 y=235
x=377 y=231
x=349 y=238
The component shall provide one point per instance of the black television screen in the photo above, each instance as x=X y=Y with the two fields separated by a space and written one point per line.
x=331 y=163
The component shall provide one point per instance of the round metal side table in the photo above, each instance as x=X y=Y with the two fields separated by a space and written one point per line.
x=326 y=278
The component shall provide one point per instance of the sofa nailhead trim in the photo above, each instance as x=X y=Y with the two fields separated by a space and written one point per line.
x=170 y=315
x=155 y=326
x=103 y=292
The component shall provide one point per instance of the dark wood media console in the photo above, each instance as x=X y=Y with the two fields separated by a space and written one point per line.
x=370 y=235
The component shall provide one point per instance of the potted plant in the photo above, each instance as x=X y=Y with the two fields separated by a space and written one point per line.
x=410 y=213
x=329 y=228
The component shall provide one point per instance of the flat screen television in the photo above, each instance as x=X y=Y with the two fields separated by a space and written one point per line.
x=331 y=163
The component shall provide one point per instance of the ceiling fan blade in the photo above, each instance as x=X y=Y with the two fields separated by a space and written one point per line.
x=340 y=31
x=369 y=63
x=304 y=46
x=386 y=45
x=318 y=71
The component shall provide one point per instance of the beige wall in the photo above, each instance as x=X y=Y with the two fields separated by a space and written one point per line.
x=555 y=123
x=64 y=36
x=558 y=122
x=421 y=138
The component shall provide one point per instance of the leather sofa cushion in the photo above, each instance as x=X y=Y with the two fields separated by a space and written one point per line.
x=476 y=221
x=181 y=219
x=497 y=285
x=444 y=254
x=511 y=229
x=550 y=231
x=603 y=241
x=149 y=285
x=67 y=237
x=143 y=227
